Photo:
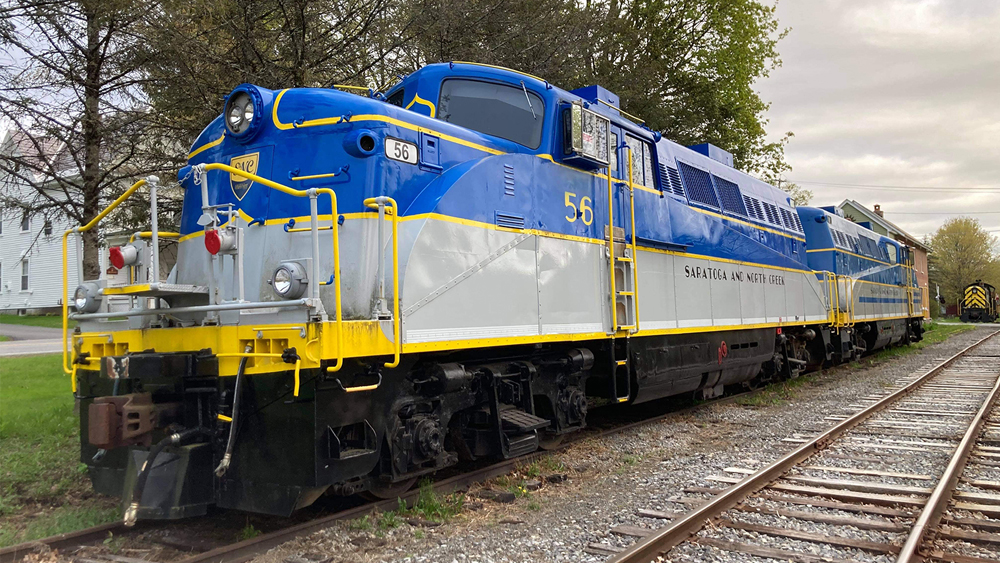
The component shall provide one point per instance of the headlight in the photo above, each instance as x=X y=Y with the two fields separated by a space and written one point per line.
x=242 y=107
x=289 y=280
x=87 y=298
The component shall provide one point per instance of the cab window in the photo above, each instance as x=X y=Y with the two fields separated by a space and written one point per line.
x=642 y=162
x=397 y=98
x=508 y=112
x=891 y=253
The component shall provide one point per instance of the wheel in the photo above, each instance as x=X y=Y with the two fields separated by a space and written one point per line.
x=385 y=491
x=549 y=442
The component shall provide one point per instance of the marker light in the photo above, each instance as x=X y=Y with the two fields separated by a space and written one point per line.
x=220 y=240
x=121 y=256
x=289 y=280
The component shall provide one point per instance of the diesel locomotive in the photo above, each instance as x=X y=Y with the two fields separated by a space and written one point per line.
x=369 y=289
x=979 y=303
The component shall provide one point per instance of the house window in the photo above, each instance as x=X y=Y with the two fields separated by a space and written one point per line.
x=25 y=223
x=24 y=275
x=48 y=228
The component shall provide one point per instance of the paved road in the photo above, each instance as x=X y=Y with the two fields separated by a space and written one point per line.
x=30 y=340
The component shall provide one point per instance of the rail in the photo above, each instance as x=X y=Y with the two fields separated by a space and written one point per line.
x=65 y=278
x=659 y=542
x=380 y=203
x=312 y=193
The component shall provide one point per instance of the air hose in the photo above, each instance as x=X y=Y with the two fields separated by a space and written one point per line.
x=176 y=439
x=237 y=392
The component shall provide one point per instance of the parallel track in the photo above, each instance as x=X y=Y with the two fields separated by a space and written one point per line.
x=851 y=475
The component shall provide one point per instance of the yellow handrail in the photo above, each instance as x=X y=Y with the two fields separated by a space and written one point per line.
x=635 y=252
x=65 y=259
x=336 y=242
x=372 y=203
x=148 y=234
x=611 y=251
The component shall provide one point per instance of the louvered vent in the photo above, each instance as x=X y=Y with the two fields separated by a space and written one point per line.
x=798 y=222
x=698 y=186
x=670 y=181
x=509 y=220
x=508 y=179
x=730 y=195
x=748 y=203
x=675 y=182
x=786 y=218
x=772 y=213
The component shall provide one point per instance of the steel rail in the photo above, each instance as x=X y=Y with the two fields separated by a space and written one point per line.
x=930 y=516
x=661 y=541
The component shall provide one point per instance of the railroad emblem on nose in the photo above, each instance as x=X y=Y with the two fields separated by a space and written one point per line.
x=247 y=163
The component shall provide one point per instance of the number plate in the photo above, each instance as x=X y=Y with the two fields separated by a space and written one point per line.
x=400 y=150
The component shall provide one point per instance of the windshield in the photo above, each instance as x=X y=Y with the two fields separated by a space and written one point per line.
x=508 y=112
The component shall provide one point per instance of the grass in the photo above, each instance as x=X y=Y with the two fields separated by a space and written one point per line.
x=779 y=392
x=44 y=488
x=50 y=321
x=248 y=532
x=4 y=338
x=428 y=506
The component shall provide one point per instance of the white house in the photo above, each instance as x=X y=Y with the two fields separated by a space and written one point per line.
x=31 y=246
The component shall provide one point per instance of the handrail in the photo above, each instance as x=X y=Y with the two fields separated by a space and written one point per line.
x=334 y=230
x=65 y=259
x=374 y=203
x=611 y=252
x=635 y=251
x=147 y=234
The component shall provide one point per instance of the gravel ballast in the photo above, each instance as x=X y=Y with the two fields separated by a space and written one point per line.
x=646 y=467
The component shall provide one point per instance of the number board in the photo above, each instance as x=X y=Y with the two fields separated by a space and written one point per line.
x=399 y=150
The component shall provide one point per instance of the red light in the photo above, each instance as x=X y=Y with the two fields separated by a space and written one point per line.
x=212 y=241
x=116 y=256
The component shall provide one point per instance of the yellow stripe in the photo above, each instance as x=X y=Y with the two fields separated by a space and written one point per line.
x=207 y=146
x=853 y=254
x=501 y=68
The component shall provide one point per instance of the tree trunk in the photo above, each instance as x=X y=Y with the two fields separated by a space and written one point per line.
x=91 y=125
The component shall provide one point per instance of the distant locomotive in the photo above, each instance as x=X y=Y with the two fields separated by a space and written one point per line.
x=370 y=289
x=979 y=303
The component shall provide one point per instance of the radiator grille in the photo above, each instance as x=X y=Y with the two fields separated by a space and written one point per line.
x=698 y=186
x=730 y=195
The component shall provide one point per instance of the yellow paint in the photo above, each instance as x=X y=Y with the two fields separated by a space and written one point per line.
x=127 y=289
x=501 y=68
x=207 y=146
x=225 y=418
x=418 y=100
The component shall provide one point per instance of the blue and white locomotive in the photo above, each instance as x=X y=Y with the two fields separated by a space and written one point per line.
x=370 y=289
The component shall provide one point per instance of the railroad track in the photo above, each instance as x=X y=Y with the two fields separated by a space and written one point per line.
x=236 y=552
x=914 y=475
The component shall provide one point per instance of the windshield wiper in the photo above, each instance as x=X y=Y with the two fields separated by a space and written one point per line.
x=533 y=116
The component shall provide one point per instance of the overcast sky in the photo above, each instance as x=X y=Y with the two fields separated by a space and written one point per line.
x=892 y=93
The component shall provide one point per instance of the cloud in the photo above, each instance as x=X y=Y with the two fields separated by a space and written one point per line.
x=892 y=92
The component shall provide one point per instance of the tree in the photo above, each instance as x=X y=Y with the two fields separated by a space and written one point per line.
x=69 y=93
x=799 y=195
x=961 y=253
x=199 y=50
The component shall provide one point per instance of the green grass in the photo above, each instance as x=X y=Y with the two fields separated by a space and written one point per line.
x=248 y=532
x=429 y=505
x=44 y=488
x=779 y=392
x=4 y=338
x=50 y=321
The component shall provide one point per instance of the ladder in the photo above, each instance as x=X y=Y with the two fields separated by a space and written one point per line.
x=624 y=284
x=909 y=282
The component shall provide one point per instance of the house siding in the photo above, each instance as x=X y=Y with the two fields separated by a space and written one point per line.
x=44 y=255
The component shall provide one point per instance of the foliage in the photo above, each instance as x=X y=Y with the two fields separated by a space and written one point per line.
x=72 y=99
x=248 y=532
x=41 y=489
x=961 y=253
